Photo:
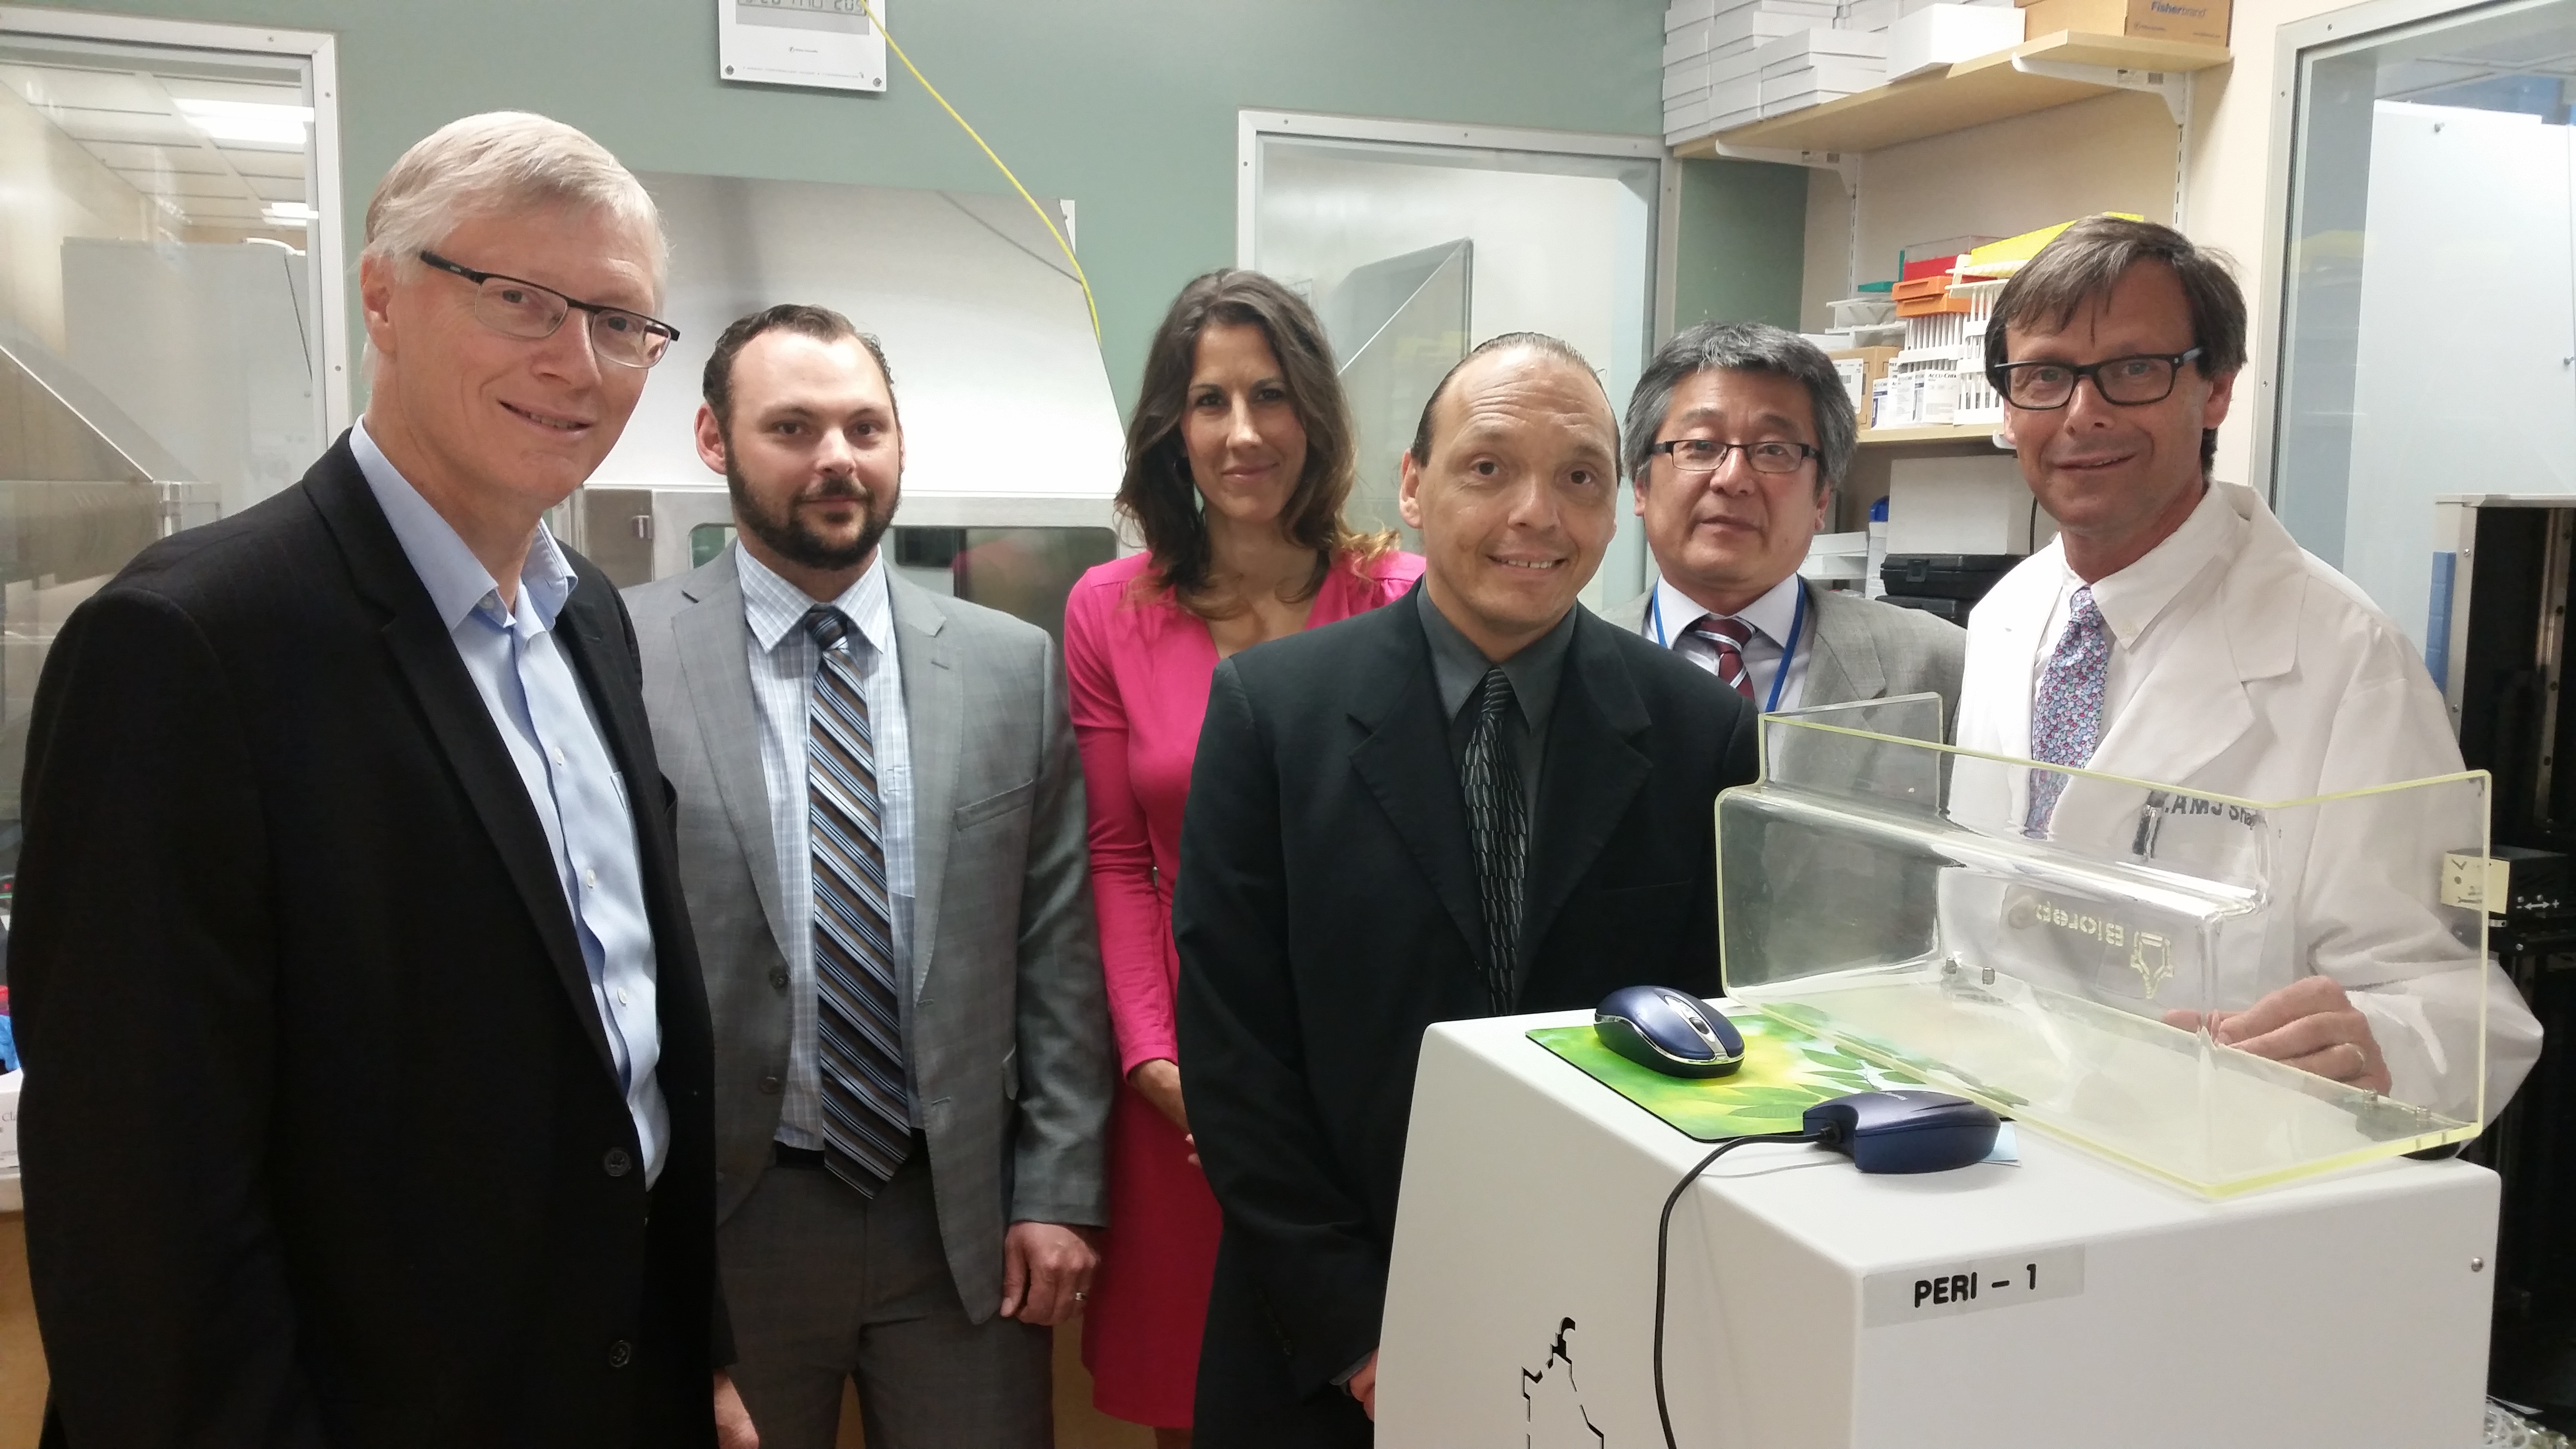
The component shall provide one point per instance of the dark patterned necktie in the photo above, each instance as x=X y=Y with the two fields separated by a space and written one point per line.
x=867 y=1128
x=1726 y=639
x=1497 y=831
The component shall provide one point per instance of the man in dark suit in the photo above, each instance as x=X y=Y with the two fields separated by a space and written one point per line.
x=369 y=1072
x=1478 y=800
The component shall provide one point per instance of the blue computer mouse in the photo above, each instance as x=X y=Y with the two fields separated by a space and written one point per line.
x=1672 y=1032
x=1905 y=1131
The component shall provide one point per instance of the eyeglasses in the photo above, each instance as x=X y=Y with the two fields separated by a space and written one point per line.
x=1707 y=455
x=516 y=308
x=2128 y=381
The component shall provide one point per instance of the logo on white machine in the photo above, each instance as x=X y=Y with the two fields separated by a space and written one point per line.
x=1551 y=1406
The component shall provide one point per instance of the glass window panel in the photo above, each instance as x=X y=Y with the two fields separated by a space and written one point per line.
x=159 y=321
x=2428 y=331
x=1401 y=245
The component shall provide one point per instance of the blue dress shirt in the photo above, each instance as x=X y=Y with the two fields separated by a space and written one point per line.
x=536 y=703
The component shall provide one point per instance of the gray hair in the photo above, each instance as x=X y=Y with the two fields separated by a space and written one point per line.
x=499 y=161
x=1744 y=347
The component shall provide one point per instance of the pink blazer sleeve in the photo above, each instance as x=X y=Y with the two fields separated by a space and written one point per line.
x=1135 y=929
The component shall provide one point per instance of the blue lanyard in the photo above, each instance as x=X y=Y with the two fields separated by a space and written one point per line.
x=1788 y=651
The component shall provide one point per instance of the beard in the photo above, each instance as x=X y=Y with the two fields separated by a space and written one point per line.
x=788 y=535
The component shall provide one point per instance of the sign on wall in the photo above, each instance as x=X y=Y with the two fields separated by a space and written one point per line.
x=829 y=43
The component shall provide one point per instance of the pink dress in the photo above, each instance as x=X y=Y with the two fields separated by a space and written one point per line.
x=1139 y=668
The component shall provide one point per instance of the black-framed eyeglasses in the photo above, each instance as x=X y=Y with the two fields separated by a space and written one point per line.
x=514 y=307
x=2147 y=377
x=1707 y=455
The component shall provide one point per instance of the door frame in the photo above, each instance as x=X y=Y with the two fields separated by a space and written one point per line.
x=318 y=48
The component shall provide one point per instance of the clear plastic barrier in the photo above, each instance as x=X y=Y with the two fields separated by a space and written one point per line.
x=2067 y=947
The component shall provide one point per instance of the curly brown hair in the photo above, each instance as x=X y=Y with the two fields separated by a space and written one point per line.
x=1158 y=491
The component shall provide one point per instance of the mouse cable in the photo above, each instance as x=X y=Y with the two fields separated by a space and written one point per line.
x=1663 y=1247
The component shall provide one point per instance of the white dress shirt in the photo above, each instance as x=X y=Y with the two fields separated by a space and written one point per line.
x=1772 y=618
x=2167 y=584
x=529 y=688
x=783 y=663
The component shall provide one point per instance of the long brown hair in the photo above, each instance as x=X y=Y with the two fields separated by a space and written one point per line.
x=1158 y=491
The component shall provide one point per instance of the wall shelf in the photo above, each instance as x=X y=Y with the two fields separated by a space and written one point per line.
x=1982 y=433
x=2052 y=70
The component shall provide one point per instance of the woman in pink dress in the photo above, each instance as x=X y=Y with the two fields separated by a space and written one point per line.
x=1239 y=460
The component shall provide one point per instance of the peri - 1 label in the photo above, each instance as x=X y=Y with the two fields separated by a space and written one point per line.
x=1906 y=1295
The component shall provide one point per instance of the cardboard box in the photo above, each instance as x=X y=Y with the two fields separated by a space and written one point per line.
x=1861 y=368
x=1735 y=68
x=2191 y=22
x=1681 y=80
x=1965 y=504
x=1820 y=12
x=1813 y=43
x=1868 y=16
x=1756 y=23
x=1943 y=35
x=1824 y=81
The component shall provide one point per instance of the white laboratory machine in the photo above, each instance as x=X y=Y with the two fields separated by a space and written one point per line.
x=2194 y=1246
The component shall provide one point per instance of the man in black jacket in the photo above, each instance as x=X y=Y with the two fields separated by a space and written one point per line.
x=368 y=1062
x=1477 y=800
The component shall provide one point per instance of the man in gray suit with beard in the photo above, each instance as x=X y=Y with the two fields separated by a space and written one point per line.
x=882 y=843
x=1736 y=437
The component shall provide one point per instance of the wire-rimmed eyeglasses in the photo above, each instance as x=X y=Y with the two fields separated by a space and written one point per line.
x=515 y=307
x=1707 y=455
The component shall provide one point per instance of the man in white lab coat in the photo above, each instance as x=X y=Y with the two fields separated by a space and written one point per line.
x=2175 y=633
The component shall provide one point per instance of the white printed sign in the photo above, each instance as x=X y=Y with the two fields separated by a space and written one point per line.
x=828 y=43
x=1908 y=1295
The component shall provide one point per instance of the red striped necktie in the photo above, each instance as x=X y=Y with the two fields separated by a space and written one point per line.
x=1727 y=637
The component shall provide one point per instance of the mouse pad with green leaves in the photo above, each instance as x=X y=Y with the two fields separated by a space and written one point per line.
x=1785 y=1072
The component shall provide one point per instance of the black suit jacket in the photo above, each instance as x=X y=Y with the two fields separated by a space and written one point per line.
x=321 y=1137
x=1326 y=914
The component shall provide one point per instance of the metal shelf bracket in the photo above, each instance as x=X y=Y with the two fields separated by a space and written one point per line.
x=1845 y=164
x=2173 y=85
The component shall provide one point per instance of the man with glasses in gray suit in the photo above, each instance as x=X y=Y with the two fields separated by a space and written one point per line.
x=1736 y=437
x=882 y=840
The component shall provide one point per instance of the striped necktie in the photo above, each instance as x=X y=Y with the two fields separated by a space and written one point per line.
x=2066 y=717
x=1497 y=831
x=867 y=1125
x=1728 y=637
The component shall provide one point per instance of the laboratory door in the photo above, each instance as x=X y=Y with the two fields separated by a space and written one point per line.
x=2428 y=327
x=1415 y=242
x=165 y=353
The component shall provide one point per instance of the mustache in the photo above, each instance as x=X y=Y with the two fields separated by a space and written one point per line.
x=837 y=490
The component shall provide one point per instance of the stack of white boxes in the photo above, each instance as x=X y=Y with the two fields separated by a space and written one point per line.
x=1728 y=63
x=1712 y=69
x=1814 y=66
x=1932 y=34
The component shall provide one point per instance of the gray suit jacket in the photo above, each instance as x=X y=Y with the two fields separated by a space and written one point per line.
x=1010 y=1026
x=1863 y=650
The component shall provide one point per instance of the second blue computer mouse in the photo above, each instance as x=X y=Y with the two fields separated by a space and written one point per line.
x=1905 y=1131
x=1669 y=1031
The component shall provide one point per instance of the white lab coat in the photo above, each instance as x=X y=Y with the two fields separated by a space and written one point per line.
x=2284 y=684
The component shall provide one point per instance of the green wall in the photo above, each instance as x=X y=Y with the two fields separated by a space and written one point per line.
x=1128 y=108
x=1741 y=243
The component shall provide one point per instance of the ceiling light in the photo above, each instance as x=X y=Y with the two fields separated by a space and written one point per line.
x=256 y=122
x=288 y=213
